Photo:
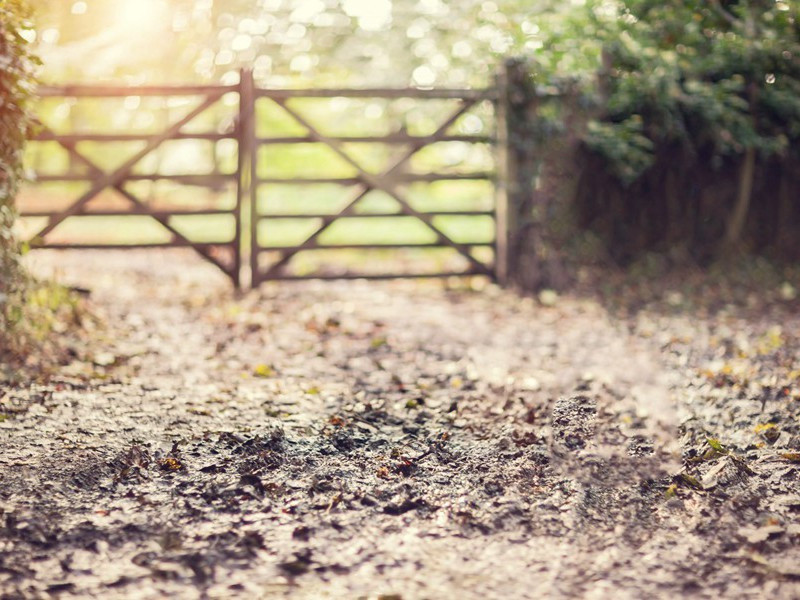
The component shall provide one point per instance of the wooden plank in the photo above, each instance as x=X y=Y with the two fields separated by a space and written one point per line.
x=344 y=181
x=431 y=177
x=248 y=172
x=383 y=215
x=389 y=93
x=371 y=276
x=395 y=138
x=73 y=138
x=398 y=178
x=215 y=178
x=355 y=246
x=156 y=214
x=123 y=91
x=504 y=165
x=511 y=189
x=117 y=246
x=210 y=179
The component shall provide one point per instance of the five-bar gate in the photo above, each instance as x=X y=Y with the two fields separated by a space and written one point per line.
x=252 y=246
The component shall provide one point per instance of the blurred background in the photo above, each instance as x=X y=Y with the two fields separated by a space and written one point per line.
x=288 y=42
x=638 y=127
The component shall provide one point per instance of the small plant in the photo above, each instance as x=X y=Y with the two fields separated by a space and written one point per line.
x=35 y=324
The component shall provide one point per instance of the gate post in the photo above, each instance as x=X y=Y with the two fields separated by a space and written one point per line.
x=512 y=189
x=246 y=187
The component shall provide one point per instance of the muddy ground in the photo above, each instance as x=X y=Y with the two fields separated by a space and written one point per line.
x=401 y=441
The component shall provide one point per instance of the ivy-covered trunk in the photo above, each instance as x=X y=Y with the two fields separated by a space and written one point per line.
x=16 y=71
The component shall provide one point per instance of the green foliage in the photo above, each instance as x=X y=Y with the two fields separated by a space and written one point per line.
x=624 y=144
x=713 y=78
x=15 y=91
x=683 y=95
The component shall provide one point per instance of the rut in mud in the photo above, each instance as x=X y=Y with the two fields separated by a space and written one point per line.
x=392 y=440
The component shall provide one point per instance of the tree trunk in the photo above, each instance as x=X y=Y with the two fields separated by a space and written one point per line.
x=785 y=226
x=737 y=220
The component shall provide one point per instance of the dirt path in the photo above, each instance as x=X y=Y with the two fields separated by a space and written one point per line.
x=396 y=441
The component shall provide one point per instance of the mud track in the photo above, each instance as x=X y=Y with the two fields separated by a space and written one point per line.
x=389 y=441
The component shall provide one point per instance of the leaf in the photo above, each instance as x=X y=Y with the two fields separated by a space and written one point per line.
x=716 y=445
x=263 y=371
x=762 y=427
x=170 y=463
x=788 y=292
x=690 y=480
x=548 y=297
x=793 y=457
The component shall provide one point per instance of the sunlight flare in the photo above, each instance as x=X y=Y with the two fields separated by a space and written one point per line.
x=139 y=16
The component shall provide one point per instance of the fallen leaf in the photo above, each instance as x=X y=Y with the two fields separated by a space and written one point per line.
x=783 y=565
x=762 y=427
x=690 y=480
x=716 y=445
x=170 y=463
x=788 y=292
x=548 y=297
x=263 y=371
x=378 y=342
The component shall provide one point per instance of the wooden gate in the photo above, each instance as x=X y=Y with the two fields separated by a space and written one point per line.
x=253 y=248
